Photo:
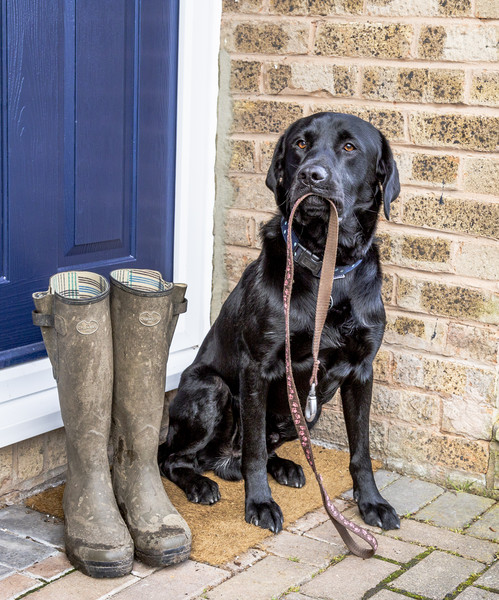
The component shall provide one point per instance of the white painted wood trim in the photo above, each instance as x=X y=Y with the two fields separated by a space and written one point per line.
x=29 y=404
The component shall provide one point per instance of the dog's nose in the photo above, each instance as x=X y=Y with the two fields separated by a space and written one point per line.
x=313 y=174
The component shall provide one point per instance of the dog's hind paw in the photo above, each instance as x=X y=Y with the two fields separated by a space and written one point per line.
x=203 y=491
x=379 y=514
x=286 y=472
x=267 y=515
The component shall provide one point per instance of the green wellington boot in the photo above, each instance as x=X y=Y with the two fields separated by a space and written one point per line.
x=76 y=327
x=144 y=311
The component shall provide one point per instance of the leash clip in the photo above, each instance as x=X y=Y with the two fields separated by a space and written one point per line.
x=311 y=407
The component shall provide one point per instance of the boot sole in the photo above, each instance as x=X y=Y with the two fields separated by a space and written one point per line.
x=165 y=559
x=101 y=570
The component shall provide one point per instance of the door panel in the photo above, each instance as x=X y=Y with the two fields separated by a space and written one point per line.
x=88 y=115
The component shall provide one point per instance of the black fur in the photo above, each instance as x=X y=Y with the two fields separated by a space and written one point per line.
x=231 y=412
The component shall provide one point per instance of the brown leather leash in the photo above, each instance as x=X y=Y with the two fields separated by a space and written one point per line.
x=342 y=524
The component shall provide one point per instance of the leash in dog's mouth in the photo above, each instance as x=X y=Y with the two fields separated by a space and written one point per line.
x=341 y=523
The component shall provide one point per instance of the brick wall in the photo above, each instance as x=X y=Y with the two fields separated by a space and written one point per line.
x=426 y=73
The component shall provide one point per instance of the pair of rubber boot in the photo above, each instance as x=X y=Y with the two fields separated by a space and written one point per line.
x=108 y=345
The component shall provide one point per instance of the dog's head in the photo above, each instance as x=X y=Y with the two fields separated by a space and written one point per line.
x=336 y=156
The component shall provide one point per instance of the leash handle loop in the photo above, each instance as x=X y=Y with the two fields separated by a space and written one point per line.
x=342 y=524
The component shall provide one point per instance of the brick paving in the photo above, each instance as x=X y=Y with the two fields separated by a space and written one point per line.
x=447 y=548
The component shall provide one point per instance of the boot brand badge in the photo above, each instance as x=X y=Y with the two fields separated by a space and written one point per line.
x=149 y=318
x=87 y=327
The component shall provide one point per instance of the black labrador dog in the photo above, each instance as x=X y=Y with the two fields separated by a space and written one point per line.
x=231 y=412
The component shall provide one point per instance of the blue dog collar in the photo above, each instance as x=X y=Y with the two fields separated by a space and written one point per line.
x=308 y=259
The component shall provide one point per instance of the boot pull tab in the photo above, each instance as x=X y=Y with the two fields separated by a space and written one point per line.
x=180 y=308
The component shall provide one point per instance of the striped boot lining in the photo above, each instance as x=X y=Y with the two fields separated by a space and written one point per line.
x=142 y=280
x=78 y=285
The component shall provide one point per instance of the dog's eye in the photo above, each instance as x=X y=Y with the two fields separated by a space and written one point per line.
x=301 y=144
x=349 y=147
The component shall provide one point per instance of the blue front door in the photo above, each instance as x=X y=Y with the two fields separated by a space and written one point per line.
x=88 y=107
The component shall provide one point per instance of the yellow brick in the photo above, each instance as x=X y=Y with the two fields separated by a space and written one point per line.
x=432 y=41
x=236 y=260
x=6 y=467
x=425 y=333
x=382 y=365
x=487 y=9
x=245 y=75
x=485 y=88
x=389 y=122
x=262 y=116
x=413 y=85
x=243 y=6
x=55 y=449
x=418 y=446
x=239 y=229
x=452 y=214
x=461 y=302
x=266 y=153
x=29 y=458
x=481 y=175
x=387 y=288
x=466 y=341
x=448 y=300
x=266 y=37
x=316 y=7
x=478 y=259
x=242 y=156
x=455 y=130
x=252 y=193
x=434 y=168
x=378 y=40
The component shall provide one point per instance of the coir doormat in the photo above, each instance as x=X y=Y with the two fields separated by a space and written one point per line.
x=219 y=532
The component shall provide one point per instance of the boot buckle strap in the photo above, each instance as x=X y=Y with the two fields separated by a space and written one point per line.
x=42 y=320
x=180 y=308
x=50 y=320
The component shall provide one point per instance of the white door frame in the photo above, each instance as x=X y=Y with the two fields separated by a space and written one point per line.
x=29 y=404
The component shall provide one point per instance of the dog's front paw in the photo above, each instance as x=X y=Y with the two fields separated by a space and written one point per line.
x=286 y=472
x=202 y=491
x=267 y=515
x=379 y=513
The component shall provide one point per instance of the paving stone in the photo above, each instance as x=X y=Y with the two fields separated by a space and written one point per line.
x=51 y=567
x=77 y=586
x=21 y=553
x=301 y=549
x=428 y=535
x=388 y=595
x=490 y=579
x=408 y=495
x=473 y=593
x=249 y=558
x=4 y=571
x=296 y=596
x=402 y=552
x=327 y=533
x=350 y=579
x=141 y=570
x=382 y=478
x=17 y=584
x=270 y=577
x=454 y=509
x=186 y=580
x=487 y=526
x=447 y=572
x=26 y=522
x=354 y=515
x=312 y=519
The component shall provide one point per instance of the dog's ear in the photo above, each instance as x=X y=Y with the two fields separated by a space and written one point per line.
x=388 y=175
x=276 y=171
